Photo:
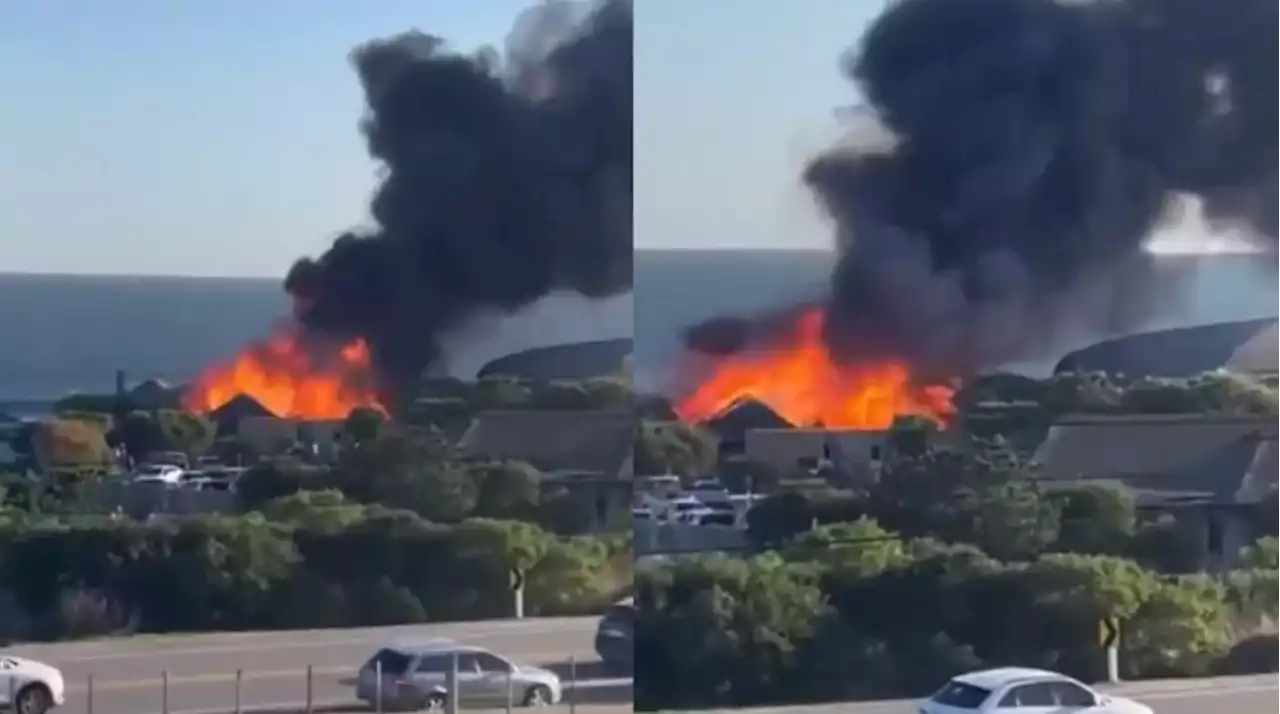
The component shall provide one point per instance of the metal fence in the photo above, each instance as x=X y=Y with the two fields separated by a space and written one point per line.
x=315 y=689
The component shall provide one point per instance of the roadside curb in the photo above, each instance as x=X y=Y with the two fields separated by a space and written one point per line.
x=1153 y=686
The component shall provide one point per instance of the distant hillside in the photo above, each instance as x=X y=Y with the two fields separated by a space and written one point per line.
x=580 y=360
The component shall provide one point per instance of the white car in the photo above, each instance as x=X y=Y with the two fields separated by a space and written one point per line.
x=159 y=473
x=29 y=687
x=1020 y=690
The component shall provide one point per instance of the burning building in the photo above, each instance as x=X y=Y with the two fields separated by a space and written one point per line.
x=998 y=189
x=504 y=179
x=795 y=375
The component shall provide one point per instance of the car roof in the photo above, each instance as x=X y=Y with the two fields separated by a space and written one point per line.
x=993 y=679
x=428 y=647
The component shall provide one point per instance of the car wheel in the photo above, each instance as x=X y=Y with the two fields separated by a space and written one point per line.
x=435 y=702
x=34 y=699
x=537 y=696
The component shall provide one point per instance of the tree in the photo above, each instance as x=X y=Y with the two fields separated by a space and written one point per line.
x=144 y=433
x=609 y=392
x=141 y=434
x=561 y=394
x=1167 y=545
x=724 y=631
x=1081 y=392
x=362 y=425
x=1161 y=396
x=191 y=434
x=71 y=444
x=506 y=489
x=982 y=495
x=673 y=448
x=861 y=548
x=1234 y=393
x=1263 y=554
x=326 y=510
x=269 y=481
x=1095 y=519
x=778 y=518
x=411 y=471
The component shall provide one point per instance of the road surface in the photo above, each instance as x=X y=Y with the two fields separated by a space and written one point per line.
x=1255 y=694
x=127 y=675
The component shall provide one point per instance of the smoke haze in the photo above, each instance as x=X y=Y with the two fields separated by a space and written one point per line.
x=1014 y=155
x=505 y=179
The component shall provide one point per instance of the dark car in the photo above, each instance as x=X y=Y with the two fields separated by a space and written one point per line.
x=615 y=637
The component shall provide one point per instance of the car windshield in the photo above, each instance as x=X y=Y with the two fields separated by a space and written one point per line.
x=391 y=661
x=961 y=695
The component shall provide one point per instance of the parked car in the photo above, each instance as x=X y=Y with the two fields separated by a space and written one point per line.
x=615 y=638
x=35 y=687
x=417 y=677
x=1020 y=689
x=158 y=473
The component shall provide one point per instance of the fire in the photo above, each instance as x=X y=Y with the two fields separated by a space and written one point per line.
x=286 y=378
x=802 y=384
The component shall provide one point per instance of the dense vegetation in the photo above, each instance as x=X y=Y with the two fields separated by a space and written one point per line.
x=845 y=612
x=956 y=558
x=313 y=559
x=400 y=527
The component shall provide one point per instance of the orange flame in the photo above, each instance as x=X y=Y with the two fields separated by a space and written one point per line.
x=285 y=377
x=801 y=384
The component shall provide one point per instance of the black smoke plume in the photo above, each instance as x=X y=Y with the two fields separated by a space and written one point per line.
x=1014 y=155
x=503 y=181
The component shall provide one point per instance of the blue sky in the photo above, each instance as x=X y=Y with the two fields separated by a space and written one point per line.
x=198 y=138
x=220 y=138
x=731 y=98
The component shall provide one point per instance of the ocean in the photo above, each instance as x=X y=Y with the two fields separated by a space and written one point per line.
x=61 y=333
x=70 y=333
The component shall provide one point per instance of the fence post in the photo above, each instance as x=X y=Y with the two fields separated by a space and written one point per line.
x=310 y=709
x=164 y=692
x=377 y=686
x=239 y=687
x=453 y=693
x=511 y=689
x=88 y=693
x=573 y=684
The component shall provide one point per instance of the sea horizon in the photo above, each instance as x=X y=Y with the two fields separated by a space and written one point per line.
x=75 y=330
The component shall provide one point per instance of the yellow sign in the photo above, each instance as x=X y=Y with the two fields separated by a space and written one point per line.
x=1108 y=632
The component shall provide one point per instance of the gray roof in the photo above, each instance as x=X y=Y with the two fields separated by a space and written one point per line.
x=1244 y=346
x=1223 y=459
x=580 y=360
x=588 y=441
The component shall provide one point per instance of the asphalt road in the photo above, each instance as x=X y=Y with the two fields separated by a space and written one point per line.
x=127 y=675
x=1227 y=695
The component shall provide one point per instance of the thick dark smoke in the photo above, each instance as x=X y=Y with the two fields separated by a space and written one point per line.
x=1015 y=154
x=730 y=334
x=503 y=182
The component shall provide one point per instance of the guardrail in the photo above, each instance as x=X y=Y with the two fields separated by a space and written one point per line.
x=312 y=690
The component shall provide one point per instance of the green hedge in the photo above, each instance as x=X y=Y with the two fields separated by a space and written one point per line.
x=847 y=613
x=332 y=564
